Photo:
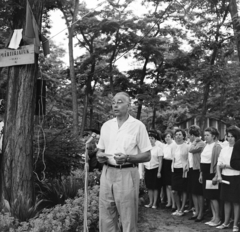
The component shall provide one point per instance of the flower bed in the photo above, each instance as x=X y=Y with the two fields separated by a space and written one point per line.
x=61 y=218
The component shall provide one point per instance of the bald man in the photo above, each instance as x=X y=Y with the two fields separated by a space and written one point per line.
x=123 y=143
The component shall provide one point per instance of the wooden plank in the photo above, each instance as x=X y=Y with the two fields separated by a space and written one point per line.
x=10 y=57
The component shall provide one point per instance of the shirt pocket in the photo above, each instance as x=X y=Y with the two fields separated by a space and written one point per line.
x=129 y=142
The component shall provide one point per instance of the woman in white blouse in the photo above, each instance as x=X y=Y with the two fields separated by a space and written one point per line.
x=166 y=169
x=208 y=174
x=152 y=171
x=179 y=171
x=229 y=192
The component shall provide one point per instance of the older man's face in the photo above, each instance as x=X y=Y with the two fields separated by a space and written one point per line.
x=120 y=105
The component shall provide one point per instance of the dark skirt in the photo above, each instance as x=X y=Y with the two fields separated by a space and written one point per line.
x=151 y=180
x=211 y=194
x=194 y=186
x=178 y=182
x=230 y=192
x=167 y=172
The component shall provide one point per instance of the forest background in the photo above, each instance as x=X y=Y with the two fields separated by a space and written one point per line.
x=167 y=83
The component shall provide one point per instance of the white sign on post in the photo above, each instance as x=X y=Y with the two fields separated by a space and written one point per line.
x=23 y=55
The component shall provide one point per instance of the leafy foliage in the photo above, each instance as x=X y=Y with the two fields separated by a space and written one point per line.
x=21 y=210
x=61 y=218
x=56 y=192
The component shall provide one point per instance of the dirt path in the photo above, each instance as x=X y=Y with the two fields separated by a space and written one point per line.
x=156 y=220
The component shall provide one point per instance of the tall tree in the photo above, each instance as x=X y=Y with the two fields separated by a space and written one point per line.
x=104 y=34
x=17 y=159
x=70 y=12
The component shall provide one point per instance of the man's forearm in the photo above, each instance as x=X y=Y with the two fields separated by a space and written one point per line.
x=139 y=158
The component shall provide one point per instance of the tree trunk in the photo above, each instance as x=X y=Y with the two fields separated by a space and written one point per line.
x=204 y=107
x=207 y=86
x=17 y=159
x=111 y=79
x=236 y=26
x=71 y=64
x=84 y=117
x=154 y=117
x=111 y=63
x=73 y=84
x=91 y=111
x=140 y=101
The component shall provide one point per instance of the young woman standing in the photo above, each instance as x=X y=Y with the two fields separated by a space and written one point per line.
x=166 y=169
x=179 y=171
x=195 y=150
x=152 y=173
x=209 y=158
x=229 y=192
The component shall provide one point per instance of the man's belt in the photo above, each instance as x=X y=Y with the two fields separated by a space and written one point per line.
x=121 y=166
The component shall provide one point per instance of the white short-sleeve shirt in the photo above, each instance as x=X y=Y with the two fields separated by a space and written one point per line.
x=167 y=150
x=159 y=144
x=156 y=152
x=176 y=153
x=130 y=139
x=206 y=154
x=190 y=157
x=224 y=158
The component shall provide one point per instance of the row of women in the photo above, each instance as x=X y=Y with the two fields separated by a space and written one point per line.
x=205 y=169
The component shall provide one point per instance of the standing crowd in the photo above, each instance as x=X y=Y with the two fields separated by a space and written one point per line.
x=183 y=169
x=206 y=174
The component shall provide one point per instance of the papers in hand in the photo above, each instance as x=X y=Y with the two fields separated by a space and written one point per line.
x=225 y=182
x=109 y=155
x=106 y=155
x=209 y=185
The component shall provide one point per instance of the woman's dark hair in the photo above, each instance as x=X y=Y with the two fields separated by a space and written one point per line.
x=153 y=134
x=168 y=132
x=182 y=131
x=194 y=130
x=156 y=132
x=213 y=131
x=235 y=131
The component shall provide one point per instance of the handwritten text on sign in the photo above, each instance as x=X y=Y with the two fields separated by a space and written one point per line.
x=24 y=55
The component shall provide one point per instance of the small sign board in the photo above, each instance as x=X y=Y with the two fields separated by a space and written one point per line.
x=23 y=55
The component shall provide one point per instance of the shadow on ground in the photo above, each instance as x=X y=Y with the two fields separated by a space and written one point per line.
x=156 y=220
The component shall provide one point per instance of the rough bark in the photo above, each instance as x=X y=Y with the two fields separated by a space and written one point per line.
x=17 y=159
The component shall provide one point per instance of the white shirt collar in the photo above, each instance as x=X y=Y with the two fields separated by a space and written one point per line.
x=130 y=119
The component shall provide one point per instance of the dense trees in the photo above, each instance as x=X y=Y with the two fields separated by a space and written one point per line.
x=182 y=60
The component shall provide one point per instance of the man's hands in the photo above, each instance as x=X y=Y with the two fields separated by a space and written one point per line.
x=120 y=158
x=102 y=157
